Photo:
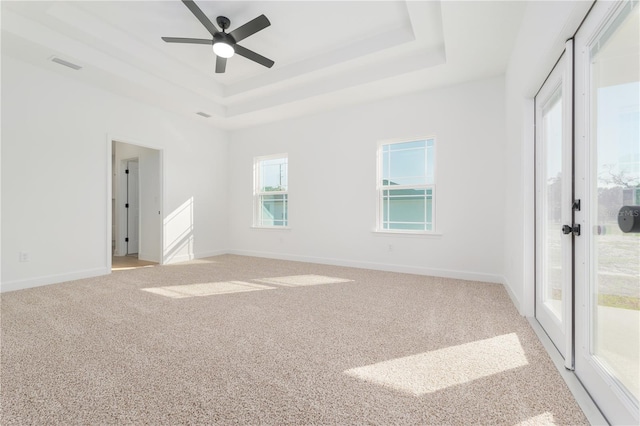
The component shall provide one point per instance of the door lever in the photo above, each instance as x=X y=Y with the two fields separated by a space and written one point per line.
x=575 y=229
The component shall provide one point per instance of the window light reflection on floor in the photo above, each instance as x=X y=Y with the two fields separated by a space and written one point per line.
x=435 y=370
x=206 y=289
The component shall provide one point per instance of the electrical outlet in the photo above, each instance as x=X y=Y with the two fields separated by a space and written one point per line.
x=390 y=247
x=23 y=256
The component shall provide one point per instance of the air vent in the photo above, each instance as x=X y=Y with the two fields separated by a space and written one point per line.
x=65 y=63
x=203 y=114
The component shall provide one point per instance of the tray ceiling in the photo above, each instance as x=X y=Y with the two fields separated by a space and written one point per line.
x=327 y=53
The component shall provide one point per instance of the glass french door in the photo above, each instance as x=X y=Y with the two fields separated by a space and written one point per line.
x=554 y=255
x=607 y=180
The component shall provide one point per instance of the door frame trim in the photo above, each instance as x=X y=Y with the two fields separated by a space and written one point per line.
x=110 y=139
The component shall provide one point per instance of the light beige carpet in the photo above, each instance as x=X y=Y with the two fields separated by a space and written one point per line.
x=239 y=340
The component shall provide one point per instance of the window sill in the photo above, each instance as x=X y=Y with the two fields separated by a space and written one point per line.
x=272 y=228
x=427 y=234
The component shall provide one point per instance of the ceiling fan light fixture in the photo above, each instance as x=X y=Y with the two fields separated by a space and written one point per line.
x=223 y=43
x=222 y=49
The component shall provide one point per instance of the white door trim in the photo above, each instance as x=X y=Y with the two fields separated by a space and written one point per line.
x=110 y=140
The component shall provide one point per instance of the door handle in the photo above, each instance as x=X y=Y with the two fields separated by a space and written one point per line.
x=575 y=229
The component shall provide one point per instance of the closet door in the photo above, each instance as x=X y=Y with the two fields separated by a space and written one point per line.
x=607 y=174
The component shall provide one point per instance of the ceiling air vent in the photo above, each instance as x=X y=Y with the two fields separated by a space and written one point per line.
x=65 y=63
x=203 y=114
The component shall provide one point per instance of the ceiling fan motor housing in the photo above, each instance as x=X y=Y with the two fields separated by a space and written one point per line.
x=224 y=38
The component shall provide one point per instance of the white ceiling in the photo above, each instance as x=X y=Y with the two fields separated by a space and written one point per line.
x=327 y=53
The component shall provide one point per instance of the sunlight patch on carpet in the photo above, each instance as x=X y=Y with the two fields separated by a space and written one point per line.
x=206 y=289
x=432 y=371
x=545 y=418
x=302 y=280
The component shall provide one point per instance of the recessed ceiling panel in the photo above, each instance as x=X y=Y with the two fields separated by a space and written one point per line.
x=299 y=29
x=327 y=53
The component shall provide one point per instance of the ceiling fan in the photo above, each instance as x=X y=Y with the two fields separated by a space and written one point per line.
x=225 y=44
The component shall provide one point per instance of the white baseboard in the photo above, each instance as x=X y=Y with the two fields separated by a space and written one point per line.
x=211 y=253
x=589 y=408
x=188 y=257
x=513 y=297
x=178 y=259
x=445 y=273
x=435 y=272
x=52 y=279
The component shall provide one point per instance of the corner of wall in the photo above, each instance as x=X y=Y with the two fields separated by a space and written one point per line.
x=513 y=297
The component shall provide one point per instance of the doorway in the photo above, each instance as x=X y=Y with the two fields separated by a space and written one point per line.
x=588 y=208
x=136 y=206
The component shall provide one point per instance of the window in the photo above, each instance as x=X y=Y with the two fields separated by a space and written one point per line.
x=406 y=186
x=270 y=191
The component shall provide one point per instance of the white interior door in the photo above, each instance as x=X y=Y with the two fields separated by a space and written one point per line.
x=608 y=181
x=133 y=207
x=554 y=255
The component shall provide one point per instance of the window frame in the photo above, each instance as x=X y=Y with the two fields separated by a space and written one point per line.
x=257 y=194
x=380 y=188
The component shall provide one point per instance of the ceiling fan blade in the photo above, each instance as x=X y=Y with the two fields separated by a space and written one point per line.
x=221 y=64
x=187 y=40
x=250 y=54
x=251 y=27
x=201 y=16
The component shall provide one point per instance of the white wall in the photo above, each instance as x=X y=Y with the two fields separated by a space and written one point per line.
x=545 y=28
x=54 y=174
x=332 y=174
x=55 y=179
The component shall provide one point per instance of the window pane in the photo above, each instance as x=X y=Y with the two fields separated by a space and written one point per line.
x=552 y=276
x=408 y=209
x=615 y=183
x=406 y=205
x=407 y=163
x=410 y=165
x=406 y=145
x=407 y=167
x=273 y=175
x=385 y=165
x=406 y=226
x=430 y=163
x=274 y=210
x=429 y=203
